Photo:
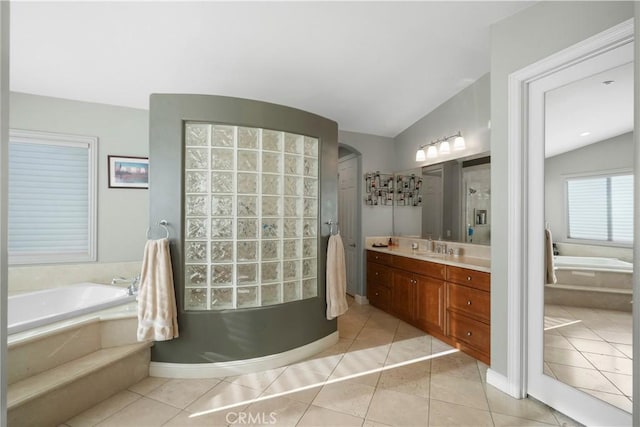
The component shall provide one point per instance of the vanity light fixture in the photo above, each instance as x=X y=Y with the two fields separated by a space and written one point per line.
x=444 y=148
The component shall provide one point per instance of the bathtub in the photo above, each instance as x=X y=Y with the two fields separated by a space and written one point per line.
x=33 y=309
x=587 y=263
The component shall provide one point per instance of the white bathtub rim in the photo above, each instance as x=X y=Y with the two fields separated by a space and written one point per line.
x=598 y=289
x=562 y=263
x=244 y=366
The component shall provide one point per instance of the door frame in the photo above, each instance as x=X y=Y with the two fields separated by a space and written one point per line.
x=523 y=170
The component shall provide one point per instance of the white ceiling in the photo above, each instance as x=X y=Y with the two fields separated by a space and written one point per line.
x=374 y=67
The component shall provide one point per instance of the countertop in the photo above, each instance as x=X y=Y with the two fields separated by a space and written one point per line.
x=473 y=263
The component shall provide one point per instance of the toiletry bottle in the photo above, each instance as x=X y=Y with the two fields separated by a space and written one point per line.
x=390 y=242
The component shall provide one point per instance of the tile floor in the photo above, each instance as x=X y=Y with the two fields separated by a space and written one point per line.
x=382 y=372
x=594 y=354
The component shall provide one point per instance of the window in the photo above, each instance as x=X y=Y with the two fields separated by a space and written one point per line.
x=600 y=208
x=52 y=203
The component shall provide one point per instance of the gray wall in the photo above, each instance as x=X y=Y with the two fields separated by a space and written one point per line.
x=516 y=42
x=122 y=219
x=607 y=155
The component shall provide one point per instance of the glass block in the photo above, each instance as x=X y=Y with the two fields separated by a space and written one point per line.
x=310 y=146
x=222 y=136
x=247 y=273
x=292 y=165
x=195 y=275
x=271 y=140
x=247 y=228
x=247 y=183
x=222 y=182
x=197 y=134
x=270 y=228
x=310 y=187
x=221 y=205
x=195 y=299
x=310 y=167
x=270 y=272
x=270 y=249
x=291 y=249
x=221 y=251
x=270 y=294
x=196 y=182
x=270 y=184
x=247 y=251
x=291 y=291
x=221 y=274
x=291 y=227
x=247 y=160
x=291 y=270
x=292 y=186
x=221 y=298
x=247 y=137
x=309 y=228
x=309 y=248
x=196 y=158
x=196 y=229
x=195 y=251
x=247 y=206
x=309 y=288
x=247 y=296
x=221 y=159
x=309 y=267
x=196 y=205
x=292 y=143
x=310 y=207
x=222 y=228
x=271 y=206
x=271 y=162
x=292 y=206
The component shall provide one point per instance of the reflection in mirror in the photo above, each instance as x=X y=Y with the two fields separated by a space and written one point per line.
x=589 y=214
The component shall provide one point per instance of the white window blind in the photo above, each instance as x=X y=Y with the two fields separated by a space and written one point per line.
x=52 y=183
x=601 y=208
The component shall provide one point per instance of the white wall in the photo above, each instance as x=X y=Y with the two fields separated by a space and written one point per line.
x=516 y=42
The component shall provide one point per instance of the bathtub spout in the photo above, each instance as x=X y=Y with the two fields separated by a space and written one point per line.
x=133 y=283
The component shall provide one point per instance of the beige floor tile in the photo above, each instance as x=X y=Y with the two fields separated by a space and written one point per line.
x=622 y=402
x=279 y=411
x=349 y=329
x=449 y=414
x=566 y=357
x=565 y=421
x=409 y=349
x=411 y=379
x=624 y=383
x=557 y=341
x=582 y=378
x=182 y=392
x=578 y=330
x=398 y=409
x=625 y=349
x=143 y=412
x=147 y=385
x=257 y=380
x=407 y=331
x=438 y=346
x=214 y=419
x=316 y=416
x=345 y=396
x=594 y=346
x=104 y=409
x=456 y=364
x=530 y=409
x=620 y=365
x=455 y=389
x=618 y=337
x=501 y=420
x=297 y=384
x=323 y=363
x=222 y=395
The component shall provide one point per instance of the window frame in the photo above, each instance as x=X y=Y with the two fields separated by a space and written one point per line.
x=68 y=140
x=587 y=175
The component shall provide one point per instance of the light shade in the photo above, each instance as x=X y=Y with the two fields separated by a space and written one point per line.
x=420 y=157
x=459 y=144
x=432 y=153
x=444 y=147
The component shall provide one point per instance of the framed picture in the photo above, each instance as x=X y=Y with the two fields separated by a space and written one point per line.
x=128 y=172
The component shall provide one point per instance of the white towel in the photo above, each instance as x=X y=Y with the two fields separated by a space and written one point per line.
x=336 y=278
x=548 y=257
x=157 y=314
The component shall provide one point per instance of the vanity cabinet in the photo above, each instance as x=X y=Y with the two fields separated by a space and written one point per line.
x=379 y=279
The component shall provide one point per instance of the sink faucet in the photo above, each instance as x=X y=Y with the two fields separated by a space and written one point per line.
x=133 y=283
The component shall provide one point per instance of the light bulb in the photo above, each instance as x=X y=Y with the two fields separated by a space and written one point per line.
x=459 y=144
x=432 y=153
x=444 y=147
x=420 y=157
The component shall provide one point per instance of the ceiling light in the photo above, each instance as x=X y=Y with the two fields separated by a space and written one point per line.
x=432 y=153
x=420 y=156
x=444 y=147
x=585 y=133
x=458 y=143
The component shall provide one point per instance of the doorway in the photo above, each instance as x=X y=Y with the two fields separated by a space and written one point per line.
x=349 y=211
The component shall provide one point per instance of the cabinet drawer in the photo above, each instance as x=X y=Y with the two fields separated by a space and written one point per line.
x=425 y=268
x=379 y=257
x=469 y=331
x=377 y=273
x=467 y=277
x=379 y=296
x=470 y=301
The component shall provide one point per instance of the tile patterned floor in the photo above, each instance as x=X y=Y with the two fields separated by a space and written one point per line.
x=382 y=372
x=593 y=354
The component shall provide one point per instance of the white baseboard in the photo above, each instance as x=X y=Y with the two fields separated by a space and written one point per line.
x=239 y=367
x=497 y=380
x=361 y=299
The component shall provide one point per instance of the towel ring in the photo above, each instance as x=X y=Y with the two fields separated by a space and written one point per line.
x=331 y=223
x=163 y=223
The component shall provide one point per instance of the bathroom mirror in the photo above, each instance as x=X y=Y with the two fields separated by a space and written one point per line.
x=455 y=202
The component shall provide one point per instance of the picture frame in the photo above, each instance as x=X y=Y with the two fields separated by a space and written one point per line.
x=128 y=172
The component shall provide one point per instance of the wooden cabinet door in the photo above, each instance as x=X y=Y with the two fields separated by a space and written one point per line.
x=403 y=295
x=430 y=304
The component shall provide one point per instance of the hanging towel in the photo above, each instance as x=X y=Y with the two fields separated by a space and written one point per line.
x=548 y=257
x=157 y=314
x=336 y=278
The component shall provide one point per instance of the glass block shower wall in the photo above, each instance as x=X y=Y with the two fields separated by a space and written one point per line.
x=251 y=216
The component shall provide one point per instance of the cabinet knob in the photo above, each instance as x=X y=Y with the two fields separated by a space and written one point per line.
x=469 y=333
x=468 y=278
x=376 y=273
x=377 y=257
x=469 y=302
x=377 y=294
